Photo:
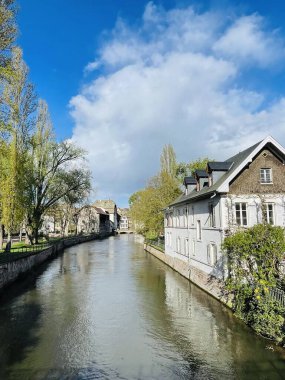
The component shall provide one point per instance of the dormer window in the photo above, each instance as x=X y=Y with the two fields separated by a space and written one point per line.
x=265 y=175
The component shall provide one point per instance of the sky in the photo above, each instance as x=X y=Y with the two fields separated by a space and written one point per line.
x=122 y=78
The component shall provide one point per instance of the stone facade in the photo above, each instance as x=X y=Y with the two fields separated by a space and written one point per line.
x=248 y=182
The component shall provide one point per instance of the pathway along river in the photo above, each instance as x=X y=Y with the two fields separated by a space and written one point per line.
x=108 y=310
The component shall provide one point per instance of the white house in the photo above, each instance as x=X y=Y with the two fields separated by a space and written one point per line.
x=237 y=193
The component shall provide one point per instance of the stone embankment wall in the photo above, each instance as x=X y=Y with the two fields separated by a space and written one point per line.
x=10 y=271
x=206 y=282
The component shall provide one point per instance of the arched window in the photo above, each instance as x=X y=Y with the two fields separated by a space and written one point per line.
x=212 y=254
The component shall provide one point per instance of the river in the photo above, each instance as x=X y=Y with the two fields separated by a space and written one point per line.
x=108 y=310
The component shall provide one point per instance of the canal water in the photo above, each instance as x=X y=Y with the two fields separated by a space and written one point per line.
x=108 y=310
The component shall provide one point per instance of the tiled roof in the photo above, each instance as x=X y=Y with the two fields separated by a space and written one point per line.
x=207 y=191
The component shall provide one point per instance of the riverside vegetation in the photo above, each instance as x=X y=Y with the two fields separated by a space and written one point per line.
x=255 y=257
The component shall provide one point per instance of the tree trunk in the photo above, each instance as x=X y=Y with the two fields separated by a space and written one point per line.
x=1 y=235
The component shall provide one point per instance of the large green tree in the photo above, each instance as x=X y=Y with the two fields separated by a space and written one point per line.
x=17 y=122
x=53 y=173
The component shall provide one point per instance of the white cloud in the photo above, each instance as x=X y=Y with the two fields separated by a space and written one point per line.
x=248 y=42
x=165 y=83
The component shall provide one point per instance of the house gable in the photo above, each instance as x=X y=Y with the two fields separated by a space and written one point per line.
x=249 y=180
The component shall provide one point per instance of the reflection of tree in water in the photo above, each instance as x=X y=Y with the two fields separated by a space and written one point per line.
x=209 y=338
x=19 y=320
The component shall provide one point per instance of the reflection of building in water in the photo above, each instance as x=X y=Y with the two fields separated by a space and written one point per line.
x=212 y=333
x=195 y=323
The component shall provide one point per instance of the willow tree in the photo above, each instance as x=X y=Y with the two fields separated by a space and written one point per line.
x=17 y=121
x=53 y=173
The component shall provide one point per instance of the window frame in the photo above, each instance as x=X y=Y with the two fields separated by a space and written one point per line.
x=268 y=213
x=241 y=217
x=212 y=254
x=212 y=216
x=263 y=176
x=199 y=230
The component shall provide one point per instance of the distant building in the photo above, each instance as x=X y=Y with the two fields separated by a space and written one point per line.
x=125 y=221
x=244 y=190
x=92 y=219
x=110 y=207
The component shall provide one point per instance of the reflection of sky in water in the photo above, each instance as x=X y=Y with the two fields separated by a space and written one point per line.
x=106 y=309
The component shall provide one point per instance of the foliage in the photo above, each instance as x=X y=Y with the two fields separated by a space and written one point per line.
x=254 y=256
x=184 y=169
x=8 y=31
x=147 y=205
x=52 y=174
x=168 y=162
x=17 y=121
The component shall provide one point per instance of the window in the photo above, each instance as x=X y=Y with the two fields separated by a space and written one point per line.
x=193 y=248
x=178 y=245
x=186 y=247
x=241 y=214
x=199 y=230
x=212 y=254
x=270 y=213
x=212 y=221
x=185 y=216
x=170 y=239
x=178 y=218
x=265 y=175
x=192 y=215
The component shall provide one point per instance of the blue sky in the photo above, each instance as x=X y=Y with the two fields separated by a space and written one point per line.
x=124 y=77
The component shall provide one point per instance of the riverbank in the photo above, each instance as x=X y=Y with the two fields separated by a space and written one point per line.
x=209 y=284
x=14 y=265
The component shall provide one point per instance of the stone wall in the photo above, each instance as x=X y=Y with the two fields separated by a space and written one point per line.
x=248 y=182
x=210 y=284
x=10 y=271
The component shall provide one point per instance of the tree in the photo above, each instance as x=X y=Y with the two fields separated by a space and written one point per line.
x=17 y=110
x=8 y=32
x=168 y=162
x=146 y=206
x=184 y=169
x=53 y=174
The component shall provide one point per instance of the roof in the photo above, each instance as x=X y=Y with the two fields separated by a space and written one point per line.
x=99 y=210
x=107 y=205
x=189 y=181
x=237 y=162
x=219 y=166
x=201 y=173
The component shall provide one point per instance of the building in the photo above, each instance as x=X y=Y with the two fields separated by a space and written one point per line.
x=92 y=219
x=243 y=190
x=110 y=207
x=125 y=219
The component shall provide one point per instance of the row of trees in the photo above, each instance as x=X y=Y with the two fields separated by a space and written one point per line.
x=36 y=171
x=147 y=205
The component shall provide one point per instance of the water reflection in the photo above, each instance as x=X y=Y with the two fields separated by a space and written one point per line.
x=106 y=310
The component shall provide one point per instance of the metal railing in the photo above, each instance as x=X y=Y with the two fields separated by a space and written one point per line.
x=17 y=253
x=157 y=243
x=278 y=295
